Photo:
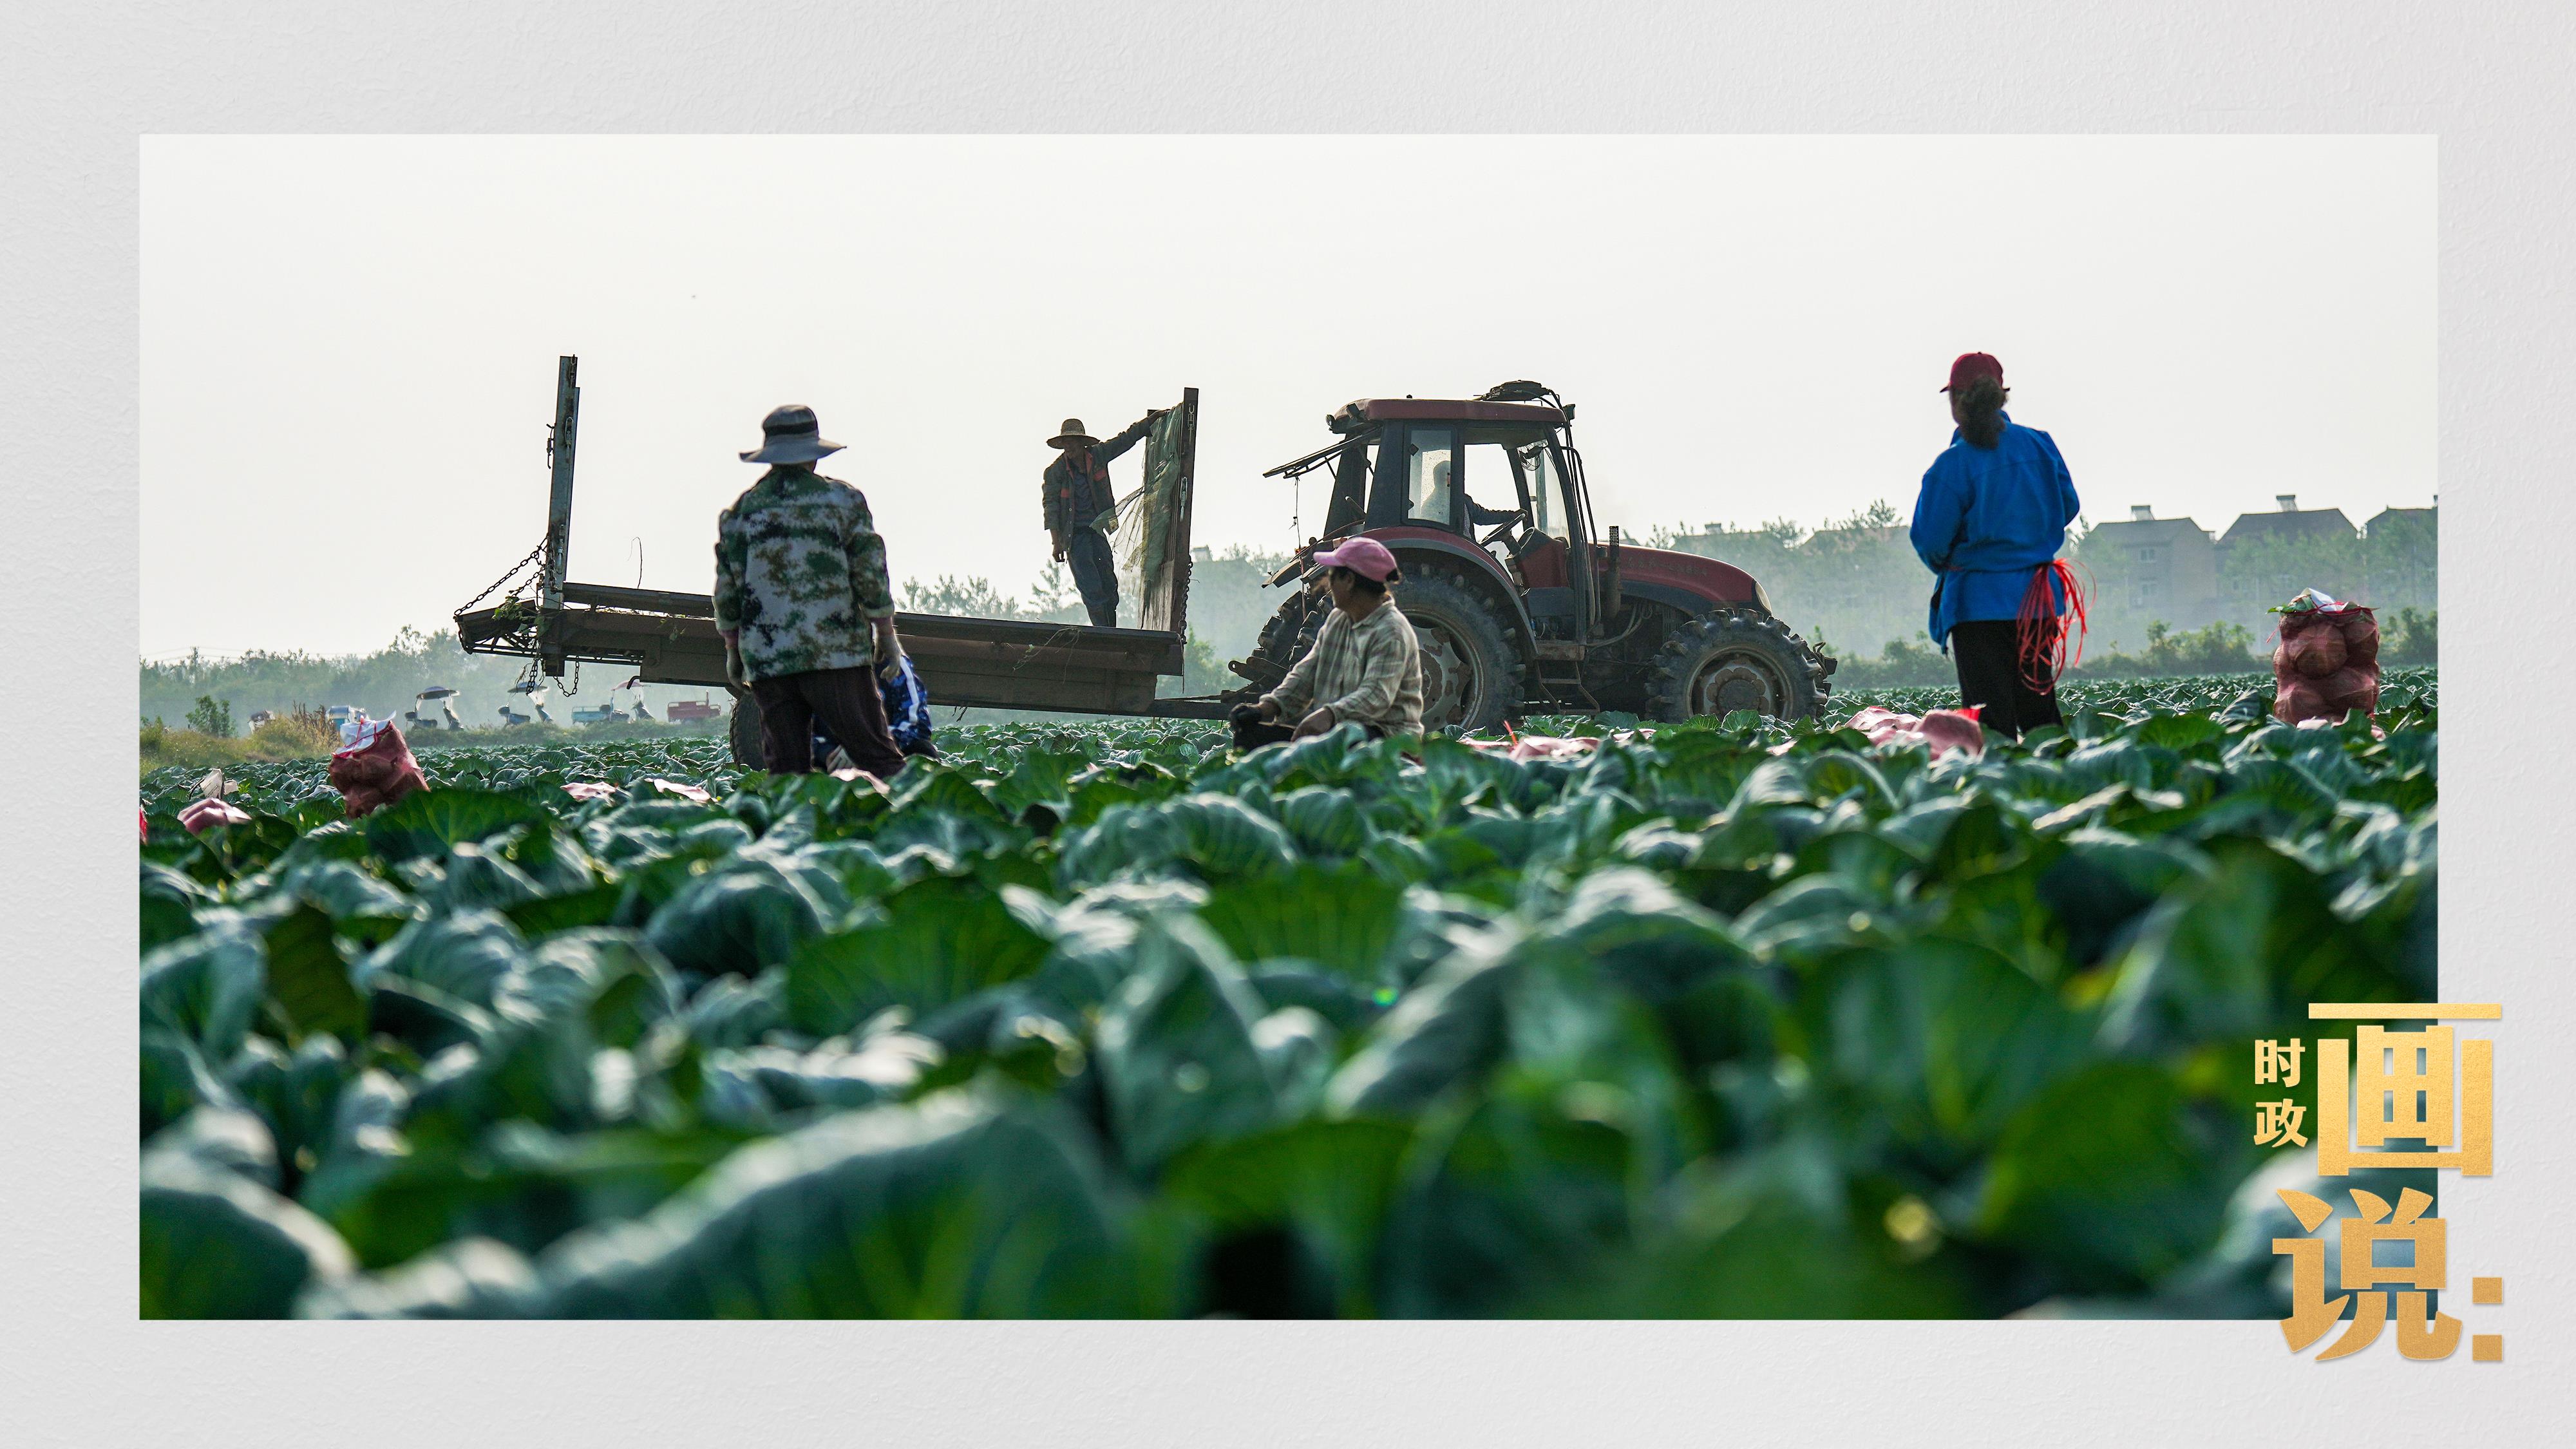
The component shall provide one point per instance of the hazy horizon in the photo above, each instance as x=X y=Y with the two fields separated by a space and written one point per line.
x=349 y=344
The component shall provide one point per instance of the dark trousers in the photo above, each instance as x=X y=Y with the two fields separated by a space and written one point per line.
x=847 y=703
x=1096 y=574
x=1988 y=653
x=1253 y=734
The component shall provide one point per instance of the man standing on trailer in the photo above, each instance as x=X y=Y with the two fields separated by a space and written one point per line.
x=1081 y=508
x=803 y=604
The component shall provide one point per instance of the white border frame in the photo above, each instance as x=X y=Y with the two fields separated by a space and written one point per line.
x=79 y=84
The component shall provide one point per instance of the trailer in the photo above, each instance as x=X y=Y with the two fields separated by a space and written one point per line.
x=668 y=637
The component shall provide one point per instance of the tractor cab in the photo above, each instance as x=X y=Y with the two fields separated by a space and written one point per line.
x=1496 y=474
x=1515 y=594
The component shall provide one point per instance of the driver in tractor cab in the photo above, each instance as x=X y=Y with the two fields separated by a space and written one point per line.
x=1478 y=515
x=1365 y=668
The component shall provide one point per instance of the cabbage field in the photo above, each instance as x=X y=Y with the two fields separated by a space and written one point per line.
x=1730 y=1019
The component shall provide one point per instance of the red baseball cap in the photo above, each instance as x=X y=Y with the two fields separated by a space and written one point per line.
x=1974 y=365
x=1363 y=556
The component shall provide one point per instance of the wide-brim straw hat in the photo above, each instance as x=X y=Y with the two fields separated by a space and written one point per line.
x=790 y=435
x=1071 y=435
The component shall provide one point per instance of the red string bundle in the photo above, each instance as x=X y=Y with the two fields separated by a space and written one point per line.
x=2041 y=631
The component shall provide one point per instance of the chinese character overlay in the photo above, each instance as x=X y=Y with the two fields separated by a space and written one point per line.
x=2278 y=1062
x=2397 y=1085
x=2426 y=1089
x=2279 y=1122
x=2421 y=1333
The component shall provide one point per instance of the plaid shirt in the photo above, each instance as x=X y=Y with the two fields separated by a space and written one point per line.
x=1074 y=496
x=1369 y=671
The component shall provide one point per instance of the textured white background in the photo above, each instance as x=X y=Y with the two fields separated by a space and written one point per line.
x=80 y=83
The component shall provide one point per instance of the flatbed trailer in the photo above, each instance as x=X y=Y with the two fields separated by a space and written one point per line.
x=667 y=637
x=670 y=638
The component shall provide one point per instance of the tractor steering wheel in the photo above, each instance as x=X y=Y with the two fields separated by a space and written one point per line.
x=1504 y=531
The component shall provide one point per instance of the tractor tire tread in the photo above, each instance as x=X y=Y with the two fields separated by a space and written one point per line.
x=1686 y=652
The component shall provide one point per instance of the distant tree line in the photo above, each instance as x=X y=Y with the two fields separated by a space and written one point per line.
x=1854 y=587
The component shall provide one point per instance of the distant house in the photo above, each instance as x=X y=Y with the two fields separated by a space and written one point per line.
x=2401 y=550
x=2168 y=567
x=2254 y=556
x=1734 y=545
x=1856 y=535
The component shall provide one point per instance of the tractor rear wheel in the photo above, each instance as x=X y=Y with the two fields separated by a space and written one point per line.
x=743 y=732
x=1471 y=674
x=1731 y=659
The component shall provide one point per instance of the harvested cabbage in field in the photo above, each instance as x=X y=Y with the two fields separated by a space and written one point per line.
x=1102 y=1019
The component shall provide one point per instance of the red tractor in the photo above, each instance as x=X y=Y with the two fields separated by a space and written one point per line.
x=1519 y=606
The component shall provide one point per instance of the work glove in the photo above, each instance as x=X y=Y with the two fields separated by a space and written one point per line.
x=1245 y=714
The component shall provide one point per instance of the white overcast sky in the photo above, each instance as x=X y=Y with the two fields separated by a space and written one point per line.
x=349 y=344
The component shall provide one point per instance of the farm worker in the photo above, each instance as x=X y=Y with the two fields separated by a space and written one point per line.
x=803 y=604
x=1366 y=666
x=1081 y=508
x=1990 y=520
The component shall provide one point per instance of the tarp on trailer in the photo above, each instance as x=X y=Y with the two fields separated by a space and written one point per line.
x=1154 y=521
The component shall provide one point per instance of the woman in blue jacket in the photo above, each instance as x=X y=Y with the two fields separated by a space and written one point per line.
x=1991 y=518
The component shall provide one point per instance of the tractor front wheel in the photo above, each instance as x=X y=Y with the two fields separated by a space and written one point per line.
x=1729 y=659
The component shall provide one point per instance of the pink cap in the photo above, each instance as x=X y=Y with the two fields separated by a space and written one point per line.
x=1363 y=556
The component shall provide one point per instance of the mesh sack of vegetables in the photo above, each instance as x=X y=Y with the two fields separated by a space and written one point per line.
x=2327 y=664
x=907 y=708
x=375 y=769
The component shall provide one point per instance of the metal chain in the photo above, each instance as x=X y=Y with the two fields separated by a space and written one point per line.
x=507 y=574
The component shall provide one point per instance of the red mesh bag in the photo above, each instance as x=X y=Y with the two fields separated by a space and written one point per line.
x=2327 y=665
x=376 y=771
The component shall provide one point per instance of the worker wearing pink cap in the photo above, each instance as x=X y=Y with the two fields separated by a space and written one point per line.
x=1365 y=668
